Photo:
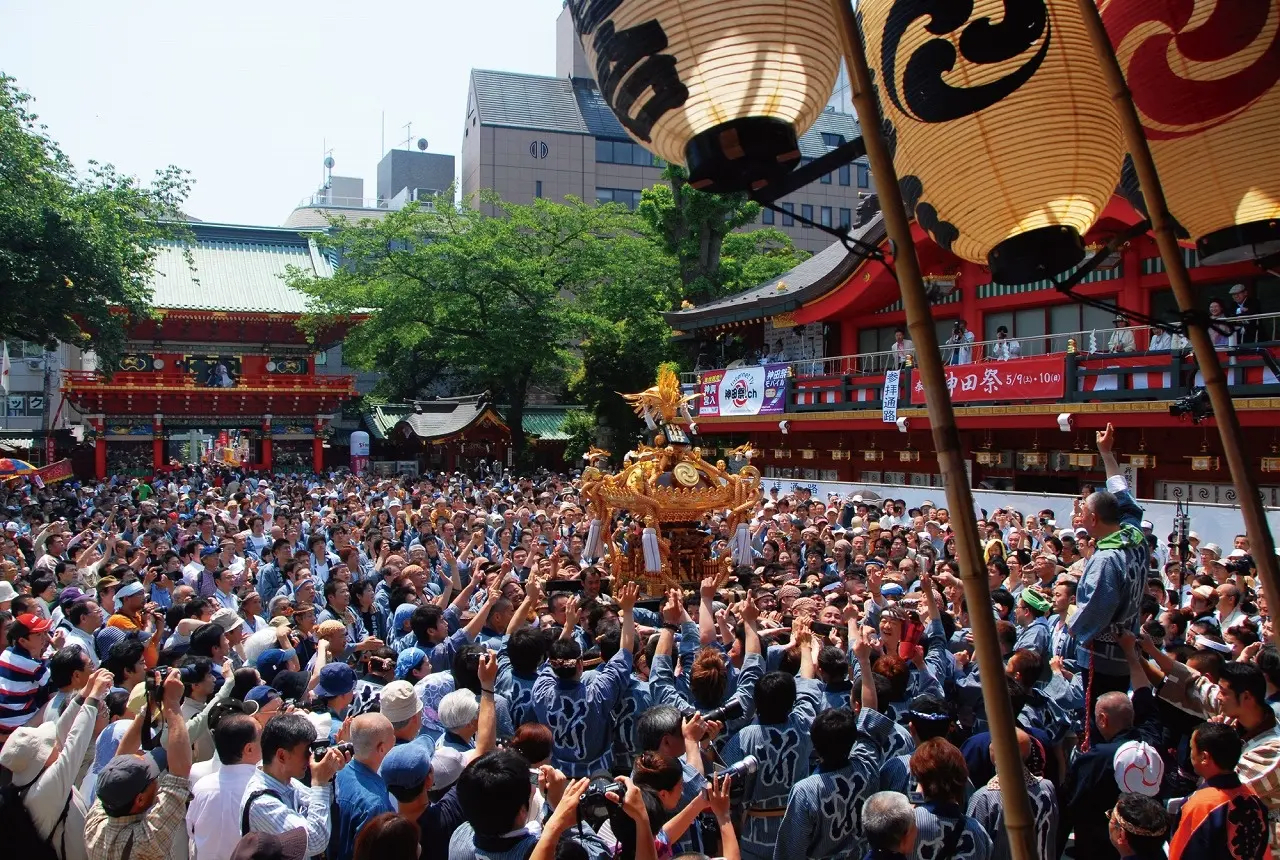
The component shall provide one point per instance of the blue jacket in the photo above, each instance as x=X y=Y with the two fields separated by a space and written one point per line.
x=360 y=795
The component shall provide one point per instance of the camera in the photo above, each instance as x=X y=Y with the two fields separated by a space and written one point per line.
x=320 y=747
x=1196 y=405
x=725 y=713
x=1240 y=564
x=601 y=796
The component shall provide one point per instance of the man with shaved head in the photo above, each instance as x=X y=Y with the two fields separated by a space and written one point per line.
x=1109 y=595
x=359 y=792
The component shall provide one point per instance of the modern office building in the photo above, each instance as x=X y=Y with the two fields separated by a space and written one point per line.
x=404 y=175
x=531 y=136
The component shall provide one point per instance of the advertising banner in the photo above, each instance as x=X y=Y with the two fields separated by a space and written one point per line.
x=1037 y=378
x=749 y=390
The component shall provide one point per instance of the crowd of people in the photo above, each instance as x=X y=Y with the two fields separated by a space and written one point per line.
x=225 y=667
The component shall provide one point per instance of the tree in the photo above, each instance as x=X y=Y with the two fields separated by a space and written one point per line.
x=697 y=228
x=580 y=426
x=76 y=251
x=501 y=302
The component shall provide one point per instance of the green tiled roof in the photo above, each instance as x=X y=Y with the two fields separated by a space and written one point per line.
x=527 y=101
x=236 y=269
x=547 y=422
x=383 y=417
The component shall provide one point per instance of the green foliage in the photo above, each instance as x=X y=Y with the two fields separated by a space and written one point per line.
x=75 y=250
x=581 y=426
x=498 y=303
x=696 y=228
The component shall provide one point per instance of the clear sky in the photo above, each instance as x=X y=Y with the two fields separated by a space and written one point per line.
x=246 y=95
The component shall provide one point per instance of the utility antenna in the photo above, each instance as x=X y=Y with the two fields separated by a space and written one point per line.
x=382 y=149
x=408 y=134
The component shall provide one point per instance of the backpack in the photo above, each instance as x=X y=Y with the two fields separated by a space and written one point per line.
x=22 y=838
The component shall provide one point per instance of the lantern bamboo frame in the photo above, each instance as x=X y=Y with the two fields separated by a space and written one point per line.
x=946 y=438
x=1261 y=543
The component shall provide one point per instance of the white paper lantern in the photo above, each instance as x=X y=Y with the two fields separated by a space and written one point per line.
x=726 y=89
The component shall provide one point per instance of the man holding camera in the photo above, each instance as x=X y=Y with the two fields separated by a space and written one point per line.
x=275 y=799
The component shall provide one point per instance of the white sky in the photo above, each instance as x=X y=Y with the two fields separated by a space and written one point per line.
x=247 y=95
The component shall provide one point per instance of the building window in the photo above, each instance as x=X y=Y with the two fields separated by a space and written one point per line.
x=832 y=140
x=625 y=196
x=864 y=176
x=806 y=212
x=1041 y=330
x=844 y=175
x=624 y=152
x=788 y=209
x=824 y=216
x=537 y=189
x=826 y=179
x=766 y=216
x=846 y=218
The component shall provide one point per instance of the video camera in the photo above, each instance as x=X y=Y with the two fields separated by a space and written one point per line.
x=1196 y=405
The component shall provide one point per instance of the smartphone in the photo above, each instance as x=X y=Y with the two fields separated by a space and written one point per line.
x=820 y=628
x=570 y=585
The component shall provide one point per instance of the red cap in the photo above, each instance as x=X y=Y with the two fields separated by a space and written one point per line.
x=35 y=623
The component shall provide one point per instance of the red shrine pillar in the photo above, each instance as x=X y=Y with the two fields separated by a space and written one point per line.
x=266 y=442
x=157 y=442
x=317 y=446
x=99 y=424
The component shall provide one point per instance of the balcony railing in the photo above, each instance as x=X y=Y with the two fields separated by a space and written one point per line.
x=1090 y=341
x=1067 y=367
x=90 y=380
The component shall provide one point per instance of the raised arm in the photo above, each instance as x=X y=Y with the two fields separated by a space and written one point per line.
x=706 y=612
x=477 y=622
x=861 y=646
x=802 y=635
x=487 y=722
x=532 y=596
x=627 y=597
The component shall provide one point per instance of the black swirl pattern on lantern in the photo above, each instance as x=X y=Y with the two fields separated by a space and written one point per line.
x=924 y=95
x=943 y=232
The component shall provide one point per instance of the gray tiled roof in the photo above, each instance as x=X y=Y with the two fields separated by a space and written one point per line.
x=599 y=118
x=236 y=269
x=843 y=124
x=527 y=101
x=429 y=419
x=814 y=277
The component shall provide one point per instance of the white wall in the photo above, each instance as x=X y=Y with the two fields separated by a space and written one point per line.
x=1215 y=523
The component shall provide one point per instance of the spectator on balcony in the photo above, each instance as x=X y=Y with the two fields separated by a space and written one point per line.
x=901 y=348
x=1220 y=331
x=1246 y=332
x=1165 y=341
x=1122 y=338
x=778 y=355
x=961 y=344
x=1005 y=347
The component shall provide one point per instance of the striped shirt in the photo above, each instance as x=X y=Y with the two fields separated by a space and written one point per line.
x=24 y=688
x=303 y=807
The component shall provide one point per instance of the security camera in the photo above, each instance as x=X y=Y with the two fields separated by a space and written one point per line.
x=1064 y=422
x=903 y=425
x=785 y=427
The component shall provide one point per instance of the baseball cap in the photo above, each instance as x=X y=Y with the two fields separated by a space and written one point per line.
x=130 y=590
x=262 y=695
x=409 y=659
x=208 y=550
x=338 y=679
x=69 y=594
x=406 y=766
x=34 y=623
x=292 y=685
x=227 y=619
x=122 y=780
x=273 y=660
x=289 y=845
x=1205 y=591
x=399 y=701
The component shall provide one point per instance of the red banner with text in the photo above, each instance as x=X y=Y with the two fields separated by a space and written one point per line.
x=58 y=471
x=1038 y=378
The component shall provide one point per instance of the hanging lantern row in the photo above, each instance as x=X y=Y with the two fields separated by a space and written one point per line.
x=1003 y=133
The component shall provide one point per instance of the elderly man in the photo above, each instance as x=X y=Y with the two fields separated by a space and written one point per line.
x=359 y=792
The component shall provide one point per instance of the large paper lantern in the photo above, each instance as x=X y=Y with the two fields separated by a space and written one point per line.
x=725 y=88
x=1205 y=77
x=1006 y=143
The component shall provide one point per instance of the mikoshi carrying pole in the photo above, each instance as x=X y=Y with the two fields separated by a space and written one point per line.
x=946 y=438
x=1261 y=544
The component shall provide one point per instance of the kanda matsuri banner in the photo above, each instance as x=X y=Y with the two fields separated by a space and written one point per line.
x=749 y=390
x=1038 y=378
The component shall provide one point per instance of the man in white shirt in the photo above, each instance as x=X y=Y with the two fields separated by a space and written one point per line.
x=1005 y=347
x=961 y=343
x=213 y=818
x=1228 y=611
x=1122 y=338
x=901 y=348
x=85 y=617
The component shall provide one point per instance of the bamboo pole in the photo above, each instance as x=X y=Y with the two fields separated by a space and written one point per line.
x=946 y=439
x=1261 y=543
